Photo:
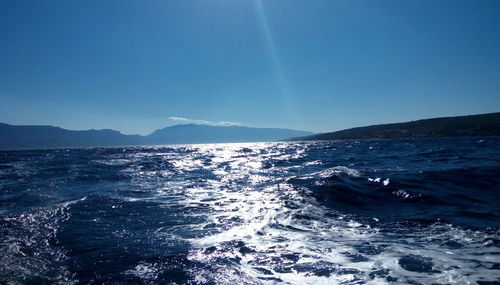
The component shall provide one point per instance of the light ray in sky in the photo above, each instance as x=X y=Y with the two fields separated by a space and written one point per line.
x=320 y=65
x=273 y=53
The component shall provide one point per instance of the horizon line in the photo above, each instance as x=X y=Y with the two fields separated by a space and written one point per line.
x=241 y=125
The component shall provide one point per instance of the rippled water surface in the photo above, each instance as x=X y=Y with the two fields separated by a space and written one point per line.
x=351 y=212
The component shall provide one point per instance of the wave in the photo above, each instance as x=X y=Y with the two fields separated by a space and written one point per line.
x=29 y=245
x=408 y=196
x=350 y=212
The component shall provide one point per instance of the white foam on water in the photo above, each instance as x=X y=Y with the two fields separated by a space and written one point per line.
x=26 y=251
x=337 y=170
x=261 y=231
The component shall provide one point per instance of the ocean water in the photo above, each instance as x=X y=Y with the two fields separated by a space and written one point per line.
x=344 y=212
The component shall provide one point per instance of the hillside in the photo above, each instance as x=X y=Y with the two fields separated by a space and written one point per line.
x=473 y=125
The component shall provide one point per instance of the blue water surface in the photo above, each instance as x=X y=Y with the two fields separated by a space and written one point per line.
x=422 y=211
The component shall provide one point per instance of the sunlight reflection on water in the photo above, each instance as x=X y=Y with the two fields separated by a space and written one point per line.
x=299 y=213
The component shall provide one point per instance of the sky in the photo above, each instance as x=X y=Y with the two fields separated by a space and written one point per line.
x=319 y=65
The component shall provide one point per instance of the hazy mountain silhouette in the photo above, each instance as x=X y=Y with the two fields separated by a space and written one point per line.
x=49 y=136
x=192 y=133
x=15 y=137
x=461 y=126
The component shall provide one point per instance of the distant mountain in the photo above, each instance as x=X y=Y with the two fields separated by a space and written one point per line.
x=192 y=133
x=474 y=125
x=18 y=137
x=14 y=137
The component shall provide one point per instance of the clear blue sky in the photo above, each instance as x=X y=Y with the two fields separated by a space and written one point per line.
x=318 y=65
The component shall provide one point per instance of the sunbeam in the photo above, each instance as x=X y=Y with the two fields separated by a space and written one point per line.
x=275 y=59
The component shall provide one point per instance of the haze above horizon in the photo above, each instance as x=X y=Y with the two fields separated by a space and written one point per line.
x=137 y=66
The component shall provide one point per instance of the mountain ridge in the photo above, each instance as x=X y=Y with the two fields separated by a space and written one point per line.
x=213 y=134
x=457 y=126
x=45 y=136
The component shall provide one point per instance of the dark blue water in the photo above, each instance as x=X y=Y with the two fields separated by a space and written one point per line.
x=352 y=212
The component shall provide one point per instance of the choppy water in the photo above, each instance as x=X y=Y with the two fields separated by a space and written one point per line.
x=352 y=212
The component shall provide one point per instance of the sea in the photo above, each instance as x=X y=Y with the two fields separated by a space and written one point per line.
x=400 y=211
